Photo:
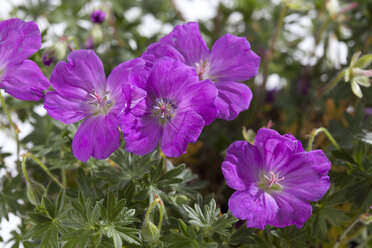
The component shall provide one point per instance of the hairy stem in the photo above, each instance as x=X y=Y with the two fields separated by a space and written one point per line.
x=42 y=166
x=315 y=132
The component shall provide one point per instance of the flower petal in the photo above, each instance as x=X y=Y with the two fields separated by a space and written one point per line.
x=187 y=40
x=292 y=211
x=275 y=148
x=80 y=76
x=65 y=110
x=120 y=75
x=242 y=165
x=24 y=81
x=184 y=128
x=141 y=133
x=253 y=205
x=305 y=170
x=18 y=40
x=169 y=78
x=98 y=136
x=200 y=97
x=232 y=59
x=158 y=50
x=232 y=99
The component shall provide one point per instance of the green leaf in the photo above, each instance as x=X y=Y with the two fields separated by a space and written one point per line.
x=363 y=61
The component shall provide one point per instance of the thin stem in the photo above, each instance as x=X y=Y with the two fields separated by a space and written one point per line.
x=147 y=217
x=271 y=49
x=24 y=170
x=42 y=166
x=11 y=122
x=160 y=215
x=315 y=132
x=348 y=229
x=333 y=83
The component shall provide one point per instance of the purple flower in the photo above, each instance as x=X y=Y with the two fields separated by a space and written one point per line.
x=176 y=109
x=274 y=180
x=20 y=77
x=230 y=61
x=83 y=93
x=97 y=16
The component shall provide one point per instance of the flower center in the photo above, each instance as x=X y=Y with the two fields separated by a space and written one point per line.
x=270 y=182
x=164 y=109
x=202 y=69
x=102 y=101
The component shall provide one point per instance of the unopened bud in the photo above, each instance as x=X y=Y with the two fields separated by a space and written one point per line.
x=150 y=232
x=35 y=192
x=97 y=34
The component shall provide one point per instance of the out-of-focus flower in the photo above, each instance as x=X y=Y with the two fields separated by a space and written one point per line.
x=274 y=180
x=230 y=61
x=176 y=109
x=98 y=16
x=83 y=93
x=357 y=75
x=20 y=77
x=55 y=53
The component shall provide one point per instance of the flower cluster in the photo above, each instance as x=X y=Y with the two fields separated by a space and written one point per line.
x=165 y=98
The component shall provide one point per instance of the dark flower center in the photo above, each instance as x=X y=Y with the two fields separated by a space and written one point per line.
x=164 y=109
x=270 y=182
x=202 y=69
x=102 y=102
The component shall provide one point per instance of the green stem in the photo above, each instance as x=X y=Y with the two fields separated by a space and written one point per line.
x=269 y=54
x=348 y=229
x=333 y=83
x=42 y=167
x=25 y=171
x=315 y=132
x=11 y=122
x=147 y=217
x=160 y=216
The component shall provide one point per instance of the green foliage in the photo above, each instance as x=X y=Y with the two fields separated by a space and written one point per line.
x=104 y=202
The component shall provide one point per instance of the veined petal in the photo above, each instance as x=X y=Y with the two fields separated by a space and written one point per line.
x=120 y=75
x=184 y=128
x=232 y=59
x=98 y=136
x=242 y=165
x=232 y=99
x=253 y=205
x=18 y=40
x=291 y=211
x=169 y=78
x=65 y=110
x=187 y=40
x=24 y=81
x=275 y=148
x=303 y=171
x=158 y=50
x=200 y=97
x=80 y=76
x=141 y=133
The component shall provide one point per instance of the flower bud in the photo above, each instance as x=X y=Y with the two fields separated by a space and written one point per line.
x=35 y=192
x=181 y=199
x=97 y=34
x=150 y=232
x=98 y=16
x=55 y=53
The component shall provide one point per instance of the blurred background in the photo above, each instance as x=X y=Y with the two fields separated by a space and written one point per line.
x=304 y=45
